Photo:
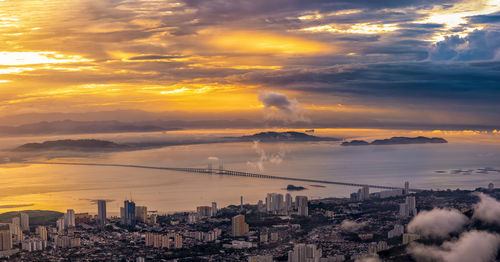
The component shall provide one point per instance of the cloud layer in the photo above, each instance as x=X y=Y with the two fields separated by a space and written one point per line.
x=487 y=210
x=383 y=61
x=476 y=246
x=438 y=223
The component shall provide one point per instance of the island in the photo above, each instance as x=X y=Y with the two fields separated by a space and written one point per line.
x=96 y=145
x=397 y=141
x=69 y=144
x=295 y=188
x=289 y=136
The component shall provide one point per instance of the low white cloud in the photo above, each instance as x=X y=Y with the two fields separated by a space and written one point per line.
x=437 y=223
x=487 y=210
x=477 y=246
x=352 y=226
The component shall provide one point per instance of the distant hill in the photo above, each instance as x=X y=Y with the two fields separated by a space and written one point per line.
x=285 y=136
x=398 y=141
x=37 y=217
x=68 y=144
x=80 y=127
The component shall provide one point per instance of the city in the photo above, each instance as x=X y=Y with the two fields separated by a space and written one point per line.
x=278 y=228
x=250 y=130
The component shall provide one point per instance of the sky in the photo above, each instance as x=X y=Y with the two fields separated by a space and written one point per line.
x=329 y=63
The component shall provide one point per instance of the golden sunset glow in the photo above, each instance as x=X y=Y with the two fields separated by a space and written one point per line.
x=161 y=55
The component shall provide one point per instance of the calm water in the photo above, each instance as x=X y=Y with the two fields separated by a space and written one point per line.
x=62 y=187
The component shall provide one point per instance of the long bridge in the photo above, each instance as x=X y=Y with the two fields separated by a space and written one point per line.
x=226 y=172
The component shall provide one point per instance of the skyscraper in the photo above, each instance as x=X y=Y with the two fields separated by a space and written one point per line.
x=239 y=227
x=25 y=221
x=42 y=232
x=101 y=212
x=69 y=218
x=141 y=213
x=404 y=211
x=5 y=238
x=16 y=221
x=203 y=211
x=60 y=225
x=407 y=188
x=288 y=202
x=214 y=209
x=274 y=202
x=412 y=205
x=302 y=205
x=128 y=214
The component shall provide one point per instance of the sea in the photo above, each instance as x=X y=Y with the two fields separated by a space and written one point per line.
x=469 y=160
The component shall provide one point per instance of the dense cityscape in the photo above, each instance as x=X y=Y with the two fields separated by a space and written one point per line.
x=278 y=228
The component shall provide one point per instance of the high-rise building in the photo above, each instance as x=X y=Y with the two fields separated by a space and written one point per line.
x=397 y=231
x=17 y=233
x=260 y=206
x=239 y=227
x=288 y=202
x=412 y=205
x=408 y=238
x=214 y=209
x=141 y=213
x=241 y=202
x=407 y=188
x=153 y=219
x=101 y=212
x=16 y=221
x=69 y=218
x=275 y=203
x=404 y=211
x=60 y=225
x=128 y=213
x=178 y=241
x=25 y=221
x=204 y=211
x=302 y=205
x=5 y=238
x=304 y=253
x=363 y=194
x=42 y=232
x=491 y=186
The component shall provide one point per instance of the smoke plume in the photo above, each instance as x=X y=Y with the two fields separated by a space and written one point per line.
x=273 y=158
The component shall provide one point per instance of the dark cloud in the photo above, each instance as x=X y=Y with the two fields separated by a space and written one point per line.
x=278 y=107
x=478 y=45
x=154 y=57
x=15 y=206
x=485 y=19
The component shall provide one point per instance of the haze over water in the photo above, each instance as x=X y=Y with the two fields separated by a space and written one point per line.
x=58 y=187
